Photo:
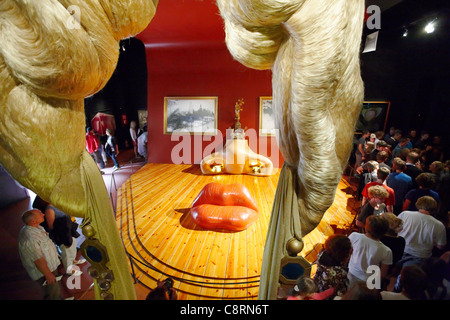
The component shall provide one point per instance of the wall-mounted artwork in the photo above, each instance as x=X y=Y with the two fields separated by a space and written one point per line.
x=190 y=115
x=373 y=116
x=266 y=117
x=142 y=116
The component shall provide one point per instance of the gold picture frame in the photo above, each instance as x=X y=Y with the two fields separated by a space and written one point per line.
x=190 y=115
x=266 y=119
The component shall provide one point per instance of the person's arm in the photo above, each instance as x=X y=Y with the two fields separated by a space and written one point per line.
x=384 y=268
x=41 y=265
x=364 y=200
x=50 y=217
x=324 y=294
x=406 y=204
x=361 y=149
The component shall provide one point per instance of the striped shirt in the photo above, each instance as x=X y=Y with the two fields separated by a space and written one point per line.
x=34 y=243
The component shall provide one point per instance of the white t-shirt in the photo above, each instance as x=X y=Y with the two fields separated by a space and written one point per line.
x=142 y=144
x=421 y=233
x=367 y=252
x=34 y=244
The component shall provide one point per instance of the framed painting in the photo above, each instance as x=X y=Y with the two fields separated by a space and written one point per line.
x=373 y=116
x=266 y=117
x=190 y=115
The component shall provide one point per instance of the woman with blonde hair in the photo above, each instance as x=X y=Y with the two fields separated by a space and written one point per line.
x=376 y=204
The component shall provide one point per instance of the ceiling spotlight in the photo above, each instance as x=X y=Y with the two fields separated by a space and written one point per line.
x=429 y=28
x=405 y=33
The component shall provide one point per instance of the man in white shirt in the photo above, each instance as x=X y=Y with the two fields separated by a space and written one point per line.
x=413 y=281
x=142 y=143
x=39 y=255
x=421 y=232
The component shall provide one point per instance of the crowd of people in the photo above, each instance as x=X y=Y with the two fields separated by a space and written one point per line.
x=398 y=248
x=103 y=147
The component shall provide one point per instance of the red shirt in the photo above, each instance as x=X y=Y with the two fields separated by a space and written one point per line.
x=91 y=142
x=389 y=201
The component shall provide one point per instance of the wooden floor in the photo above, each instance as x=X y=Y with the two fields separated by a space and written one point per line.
x=163 y=241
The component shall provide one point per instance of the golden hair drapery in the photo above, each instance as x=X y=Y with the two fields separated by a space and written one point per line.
x=49 y=63
x=312 y=47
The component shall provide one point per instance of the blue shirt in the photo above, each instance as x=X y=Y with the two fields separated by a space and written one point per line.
x=415 y=194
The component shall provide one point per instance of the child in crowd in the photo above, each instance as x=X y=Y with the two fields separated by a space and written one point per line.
x=306 y=289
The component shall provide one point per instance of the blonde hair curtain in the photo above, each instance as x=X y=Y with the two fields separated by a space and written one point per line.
x=53 y=54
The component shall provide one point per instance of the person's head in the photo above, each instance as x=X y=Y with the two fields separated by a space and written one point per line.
x=377 y=194
x=359 y=291
x=424 y=135
x=305 y=286
x=382 y=144
x=436 y=140
x=372 y=137
x=437 y=167
x=371 y=165
x=426 y=180
x=395 y=223
x=376 y=226
x=447 y=166
x=391 y=131
x=88 y=129
x=379 y=135
x=413 y=281
x=412 y=157
x=383 y=173
x=33 y=217
x=366 y=133
x=398 y=164
x=403 y=142
x=370 y=146
x=412 y=133
x=426 y=203
x=339 y=247
x=397 y=134
x=133 y=124
x=159 y=293
x=382 y=156
x=162 y=291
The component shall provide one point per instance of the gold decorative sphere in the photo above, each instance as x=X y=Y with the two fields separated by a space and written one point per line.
x=88 y=231
x=294 y=246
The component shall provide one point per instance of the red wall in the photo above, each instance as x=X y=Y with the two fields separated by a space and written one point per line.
x=208 y=72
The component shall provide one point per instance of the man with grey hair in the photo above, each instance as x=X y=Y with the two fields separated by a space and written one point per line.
x=39 y=255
